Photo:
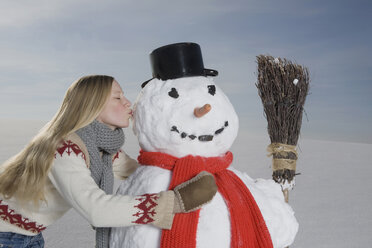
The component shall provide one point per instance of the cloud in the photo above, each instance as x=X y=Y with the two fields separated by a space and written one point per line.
x=25 y=13
x=47 y=44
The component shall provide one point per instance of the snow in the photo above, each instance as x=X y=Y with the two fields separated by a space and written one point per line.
x=295 y=81
x=157 y=113
x=331 y=199
x=169 y=107
x=288 y=185
x=279 y=216
x=148 y=179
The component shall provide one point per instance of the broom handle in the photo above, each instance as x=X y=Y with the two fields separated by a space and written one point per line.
x=286 y=195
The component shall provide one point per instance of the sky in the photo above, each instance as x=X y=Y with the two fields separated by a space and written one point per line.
x=46 y=45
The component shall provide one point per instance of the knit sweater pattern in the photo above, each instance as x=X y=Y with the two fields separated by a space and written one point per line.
x=70 y=184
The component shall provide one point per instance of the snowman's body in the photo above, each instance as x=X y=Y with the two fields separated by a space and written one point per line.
x=165 y=122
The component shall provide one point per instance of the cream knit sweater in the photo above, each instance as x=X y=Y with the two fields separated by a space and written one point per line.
x=71 y=185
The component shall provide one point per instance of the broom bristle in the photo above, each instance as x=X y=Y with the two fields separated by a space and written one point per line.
x=283 y=87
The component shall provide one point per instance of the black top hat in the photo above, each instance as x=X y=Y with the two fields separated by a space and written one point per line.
x=178 y=60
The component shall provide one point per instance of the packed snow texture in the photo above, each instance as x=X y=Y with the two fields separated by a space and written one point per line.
x=155 y=113
x=332 y=196
x=214 y=223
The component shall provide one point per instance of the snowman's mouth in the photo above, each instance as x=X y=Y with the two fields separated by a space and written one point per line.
x=202 y=138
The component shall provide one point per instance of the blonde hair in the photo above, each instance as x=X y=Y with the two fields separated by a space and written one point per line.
x=25 y=174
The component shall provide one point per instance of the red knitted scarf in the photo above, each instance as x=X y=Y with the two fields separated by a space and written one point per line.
x=248 y=228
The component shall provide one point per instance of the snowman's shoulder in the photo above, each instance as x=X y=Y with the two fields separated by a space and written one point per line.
x=278 y=215
x=259 y=186
x=151 y=173
x=242 y=175
x=146 y=179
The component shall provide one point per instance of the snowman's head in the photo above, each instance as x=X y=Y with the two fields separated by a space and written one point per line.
x=165 y=120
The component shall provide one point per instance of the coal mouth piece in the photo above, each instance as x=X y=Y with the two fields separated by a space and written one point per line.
x=205 y=137
x=202 y=138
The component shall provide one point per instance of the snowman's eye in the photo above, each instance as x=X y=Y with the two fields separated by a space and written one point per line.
x=212 y=89
x=173 y=93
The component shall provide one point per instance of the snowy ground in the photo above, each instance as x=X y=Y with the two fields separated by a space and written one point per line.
x=332 y=198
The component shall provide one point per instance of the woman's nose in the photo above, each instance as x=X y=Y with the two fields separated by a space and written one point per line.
x=199 y=112
x=125 y=101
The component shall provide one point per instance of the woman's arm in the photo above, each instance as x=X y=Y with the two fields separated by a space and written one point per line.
x=123 y=165
x=73 y=181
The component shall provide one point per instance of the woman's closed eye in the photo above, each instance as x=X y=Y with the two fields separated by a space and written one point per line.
x=119 y=97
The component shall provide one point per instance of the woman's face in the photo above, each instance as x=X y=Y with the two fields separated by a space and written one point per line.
x=116 y=112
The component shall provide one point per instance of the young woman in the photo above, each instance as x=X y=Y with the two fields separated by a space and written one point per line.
x=71 y=163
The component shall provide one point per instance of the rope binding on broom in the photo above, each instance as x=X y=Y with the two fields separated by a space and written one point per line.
x=284 y=156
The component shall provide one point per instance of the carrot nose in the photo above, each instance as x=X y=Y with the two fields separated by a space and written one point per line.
x=199 y=112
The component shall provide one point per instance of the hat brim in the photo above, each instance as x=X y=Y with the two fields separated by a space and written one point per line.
x=144 y=83
x=207 y=72
x=210 y=72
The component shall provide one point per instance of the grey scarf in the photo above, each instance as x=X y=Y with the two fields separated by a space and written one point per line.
x=98 y=137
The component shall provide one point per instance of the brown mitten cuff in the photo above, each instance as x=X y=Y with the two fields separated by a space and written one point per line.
x=194 y=193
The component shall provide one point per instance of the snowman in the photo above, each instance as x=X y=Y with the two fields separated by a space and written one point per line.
x=186 y=124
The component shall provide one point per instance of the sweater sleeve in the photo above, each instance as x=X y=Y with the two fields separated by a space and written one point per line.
x=73 y=181
x=123 y=165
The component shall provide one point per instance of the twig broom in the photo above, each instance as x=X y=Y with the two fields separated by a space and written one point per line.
x=283 y=87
